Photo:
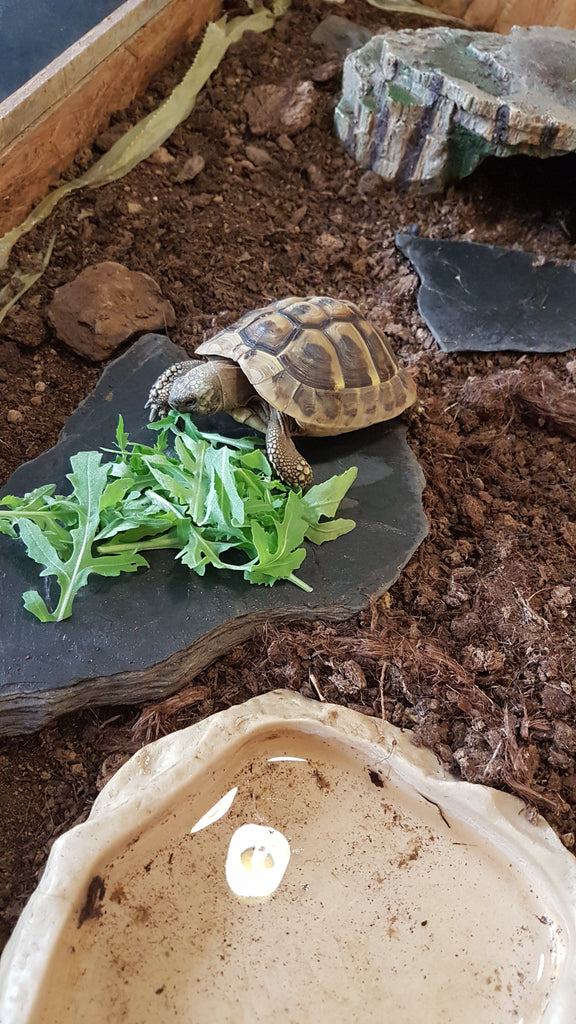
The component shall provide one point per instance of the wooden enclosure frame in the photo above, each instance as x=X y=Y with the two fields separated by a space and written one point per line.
x=62 y=108
x=501 y=15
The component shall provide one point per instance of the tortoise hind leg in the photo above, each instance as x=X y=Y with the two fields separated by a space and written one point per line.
x=282 y=453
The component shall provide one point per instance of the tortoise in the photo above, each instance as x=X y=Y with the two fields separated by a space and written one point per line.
x=311 y=366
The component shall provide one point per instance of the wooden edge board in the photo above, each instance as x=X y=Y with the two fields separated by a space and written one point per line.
x=61 y=110
x=550 y=13
x=501 y=15
x=61 y=76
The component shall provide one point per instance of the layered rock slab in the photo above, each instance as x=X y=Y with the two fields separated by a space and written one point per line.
x=142 y=636
x=424 y=108
x=487 y=298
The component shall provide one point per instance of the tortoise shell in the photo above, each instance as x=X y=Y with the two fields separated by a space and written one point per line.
x=319 y=361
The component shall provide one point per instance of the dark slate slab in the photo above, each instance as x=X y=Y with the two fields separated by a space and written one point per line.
x=487 y=298
x=142 y=636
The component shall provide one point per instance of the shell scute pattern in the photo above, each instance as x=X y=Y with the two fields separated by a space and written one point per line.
x=381 y=354
x=319 y=361
x=338 y=309
x=358 y=370
x=306 y=399
x=306 y=314
x=310 y=360
x=269 y=333
x=261 y=368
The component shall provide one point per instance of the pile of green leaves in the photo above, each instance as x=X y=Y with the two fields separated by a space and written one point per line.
x=215 y=502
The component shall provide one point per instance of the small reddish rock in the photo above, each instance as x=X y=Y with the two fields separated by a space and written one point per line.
x=474 y=511
x=104 y=306
x=370 y=183
x=191 y=168
x=161 y=156
x=324 y=72
x=280 y=109
x=257 y=156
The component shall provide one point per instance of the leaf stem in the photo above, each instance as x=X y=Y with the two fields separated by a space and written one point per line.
x=139 y=545
x=300 y=583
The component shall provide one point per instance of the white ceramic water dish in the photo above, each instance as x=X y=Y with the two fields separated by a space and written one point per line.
x=295 y=861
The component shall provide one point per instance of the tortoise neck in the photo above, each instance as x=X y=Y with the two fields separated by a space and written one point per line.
x=235 y=386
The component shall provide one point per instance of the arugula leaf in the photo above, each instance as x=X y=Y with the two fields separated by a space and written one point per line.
x=278 y=548
x=122 y=438
x=115 y=491
x=39 y=507
x=88 y=479
x=217 y=503
x=224 y=507
x=199 y=552
x=318 y=533
x=323 y=499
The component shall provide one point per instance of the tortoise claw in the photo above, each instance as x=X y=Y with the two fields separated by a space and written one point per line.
x=158 y=409
x=159 y=397
x=156 y=413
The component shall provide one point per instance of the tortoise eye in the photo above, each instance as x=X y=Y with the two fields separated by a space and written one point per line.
x=182 y=396
x=184 y=403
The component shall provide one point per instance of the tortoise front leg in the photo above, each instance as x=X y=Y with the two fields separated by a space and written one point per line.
x=158 y=399
x=282 y=453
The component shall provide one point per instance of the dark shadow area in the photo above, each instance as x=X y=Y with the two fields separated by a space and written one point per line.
x=34 y=32
x=542 y=188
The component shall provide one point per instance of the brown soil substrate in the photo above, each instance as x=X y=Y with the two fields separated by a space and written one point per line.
x=473 y=649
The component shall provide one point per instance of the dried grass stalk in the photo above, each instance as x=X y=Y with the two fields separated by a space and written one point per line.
x=534 y=395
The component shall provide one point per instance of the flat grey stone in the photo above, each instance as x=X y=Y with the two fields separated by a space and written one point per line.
x=142 y=636
x=486 y=298
x=424 y=107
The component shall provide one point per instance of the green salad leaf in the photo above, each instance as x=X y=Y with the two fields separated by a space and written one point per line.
x=214 y=500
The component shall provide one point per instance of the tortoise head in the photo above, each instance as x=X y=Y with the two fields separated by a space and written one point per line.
x=199 y=391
